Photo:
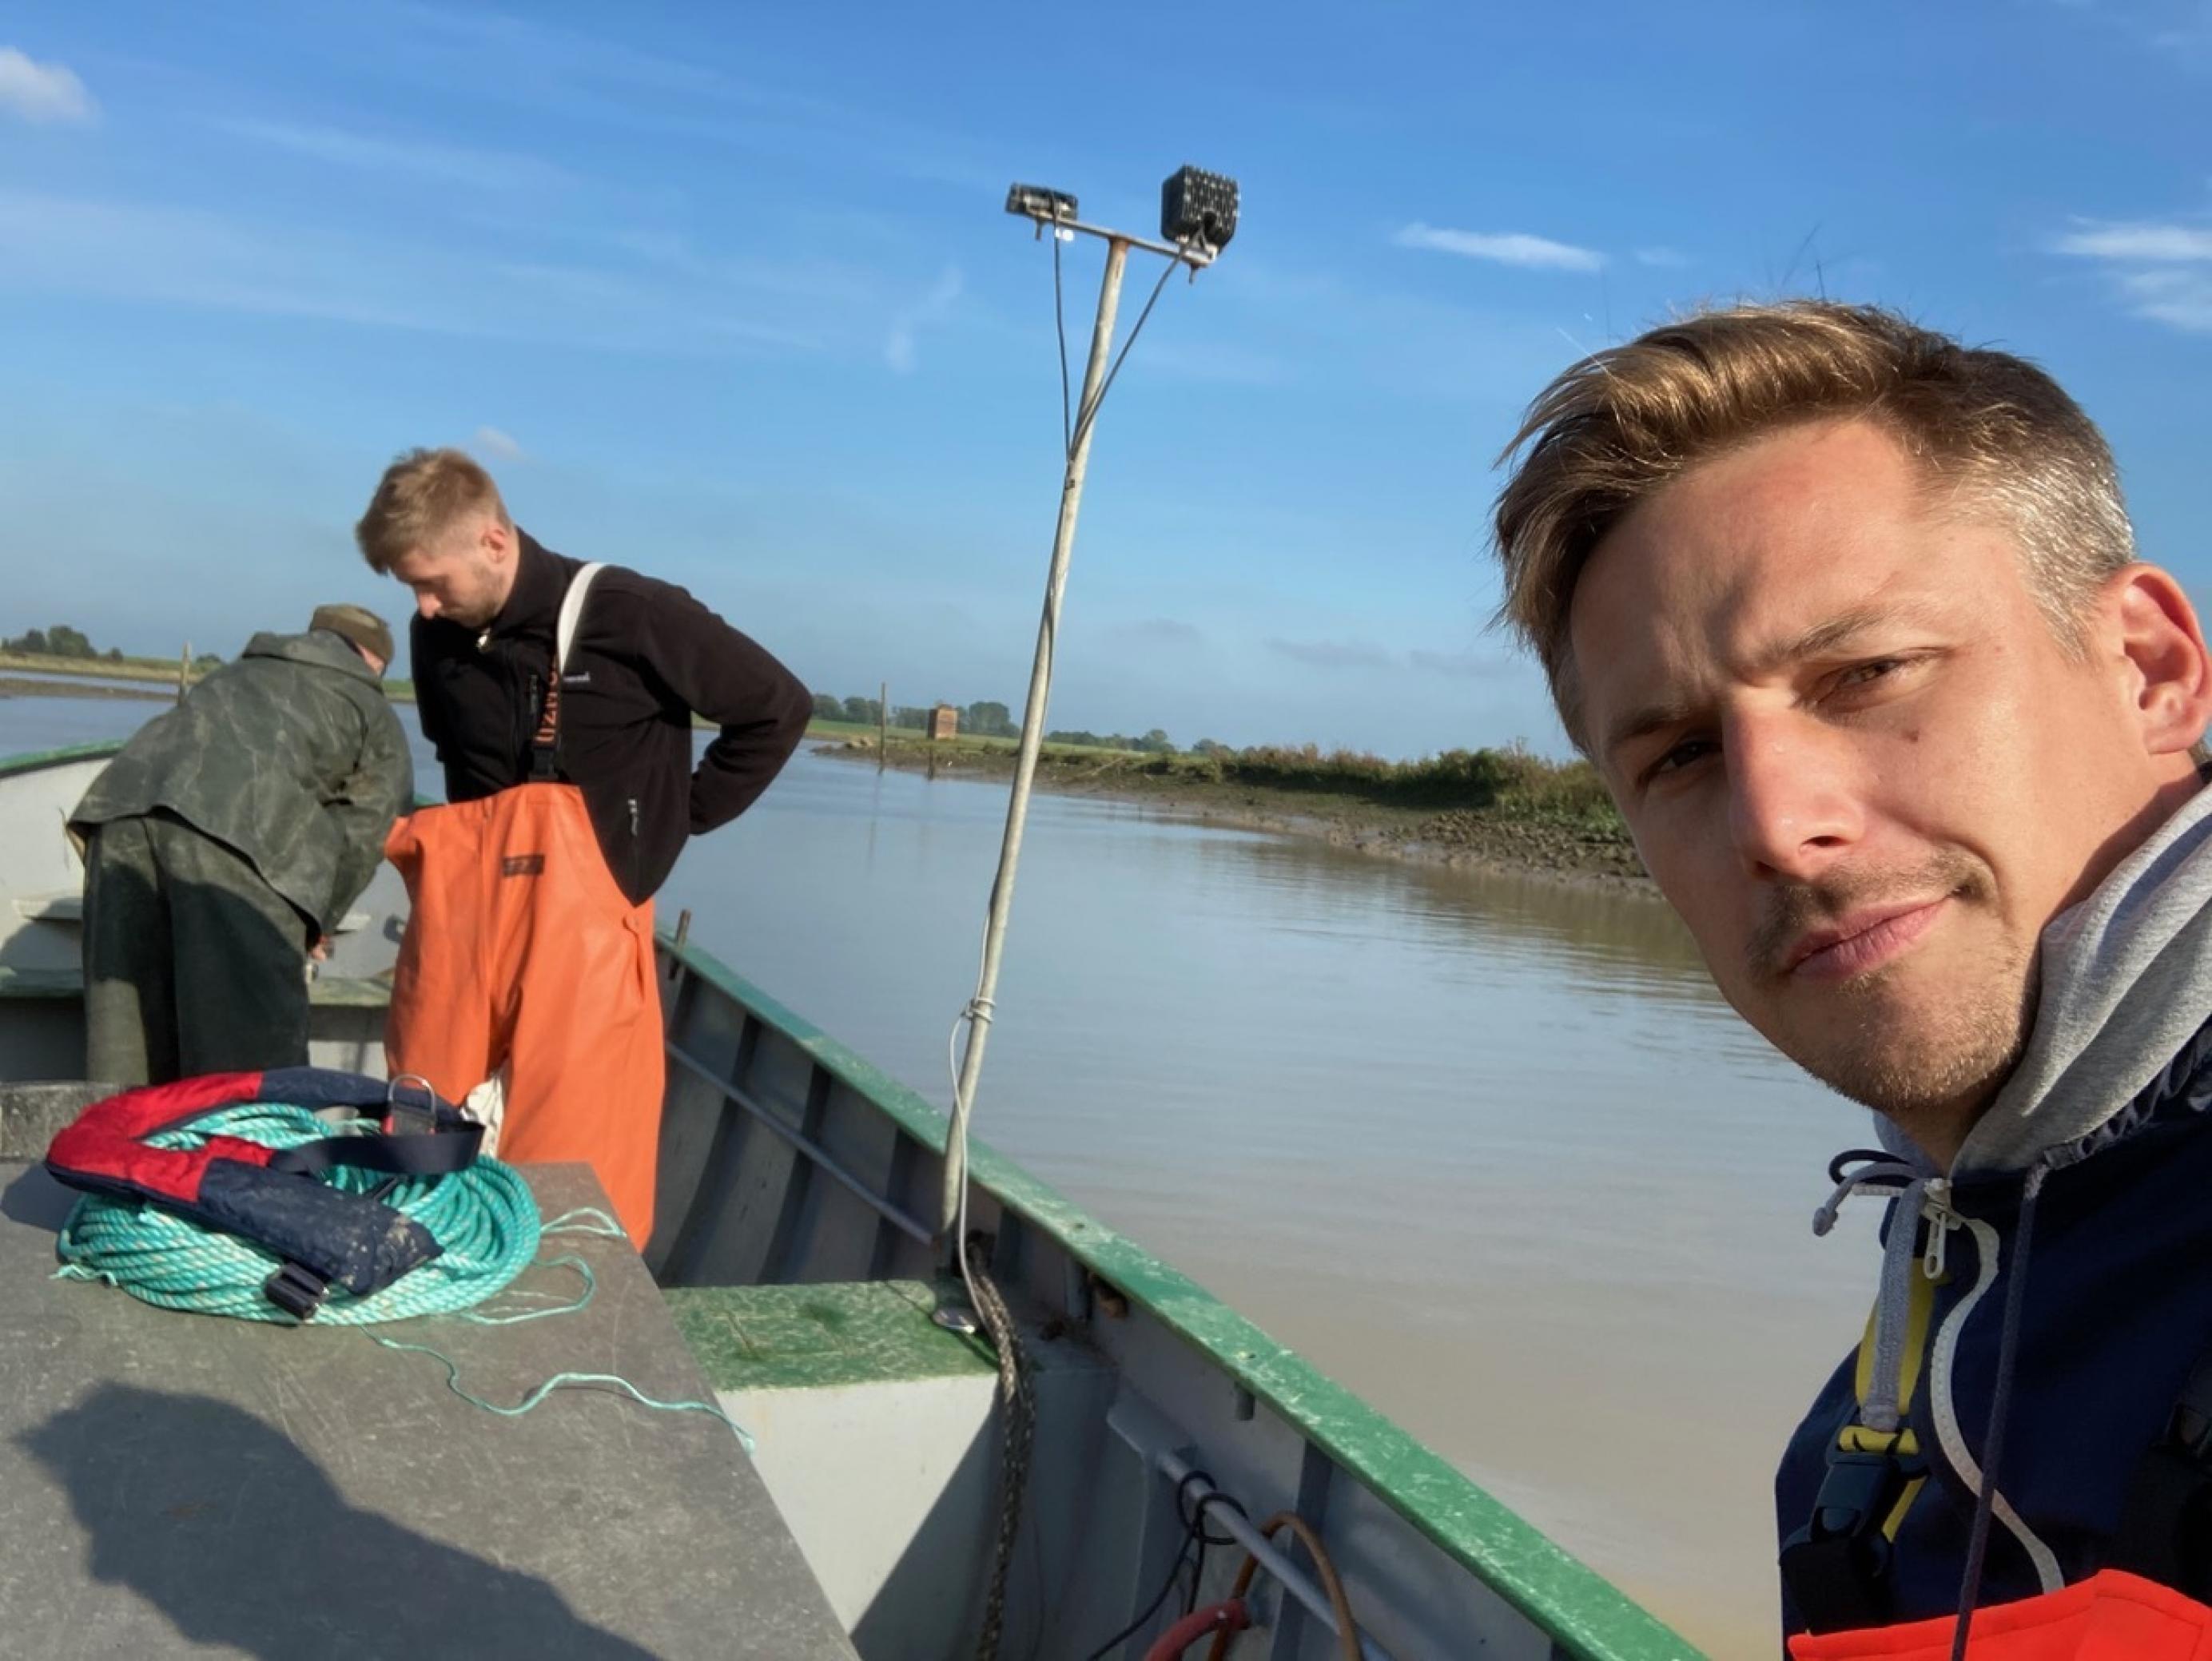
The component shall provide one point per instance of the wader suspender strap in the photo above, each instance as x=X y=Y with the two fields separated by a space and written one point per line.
x=437 y=1156
x=2166 y=1527
x=544 y=744
x=1837 y=1567
x=299 y=1288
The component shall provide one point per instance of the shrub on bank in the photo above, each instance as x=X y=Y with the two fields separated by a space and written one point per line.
x=1512 y=782
x=1515 y=780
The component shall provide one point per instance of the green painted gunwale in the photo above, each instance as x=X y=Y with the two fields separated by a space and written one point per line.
x=1583 y=1612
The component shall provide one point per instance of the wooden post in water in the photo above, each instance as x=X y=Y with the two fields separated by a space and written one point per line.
x=183 y=670
x=883 y=724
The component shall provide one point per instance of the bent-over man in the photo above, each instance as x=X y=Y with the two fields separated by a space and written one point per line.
x=224 y=843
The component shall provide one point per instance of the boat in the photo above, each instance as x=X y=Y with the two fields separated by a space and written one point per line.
x=796 y=1252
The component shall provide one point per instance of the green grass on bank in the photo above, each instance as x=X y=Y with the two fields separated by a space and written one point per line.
x=154 y=671
x=1511 y=783
x=105 y=668
x=1511 y=779
x=913 y=738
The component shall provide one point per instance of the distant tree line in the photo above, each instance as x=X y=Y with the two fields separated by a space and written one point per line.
x=60 y=640
x=988 y=719
x=985 y=718
x=1155 y=742
x=1513 y=780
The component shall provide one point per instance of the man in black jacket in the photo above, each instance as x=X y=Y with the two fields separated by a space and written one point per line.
x=560 y=698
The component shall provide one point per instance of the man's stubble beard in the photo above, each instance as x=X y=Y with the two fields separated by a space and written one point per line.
x=1919 y=1072
x=1949 y=1051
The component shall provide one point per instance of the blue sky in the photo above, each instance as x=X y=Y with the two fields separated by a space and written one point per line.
x=726 y=293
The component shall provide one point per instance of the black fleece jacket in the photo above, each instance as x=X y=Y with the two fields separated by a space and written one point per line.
x=647 y=656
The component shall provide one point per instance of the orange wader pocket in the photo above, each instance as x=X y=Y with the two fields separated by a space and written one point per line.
x=2110 y=1616
x=521 y=950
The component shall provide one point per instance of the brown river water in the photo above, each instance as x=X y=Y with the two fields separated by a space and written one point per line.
x=1488 y=1149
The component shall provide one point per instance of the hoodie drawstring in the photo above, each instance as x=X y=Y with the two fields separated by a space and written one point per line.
x=1876 y=1467
x=1977 y=1542
x=1860 y=1168
x=1881 y=1411
x=1834 y=1568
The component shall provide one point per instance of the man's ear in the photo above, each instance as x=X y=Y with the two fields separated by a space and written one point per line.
x=495 y=541
x=2164 y=646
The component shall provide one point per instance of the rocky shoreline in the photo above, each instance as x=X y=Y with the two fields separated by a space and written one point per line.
x=1552 y=850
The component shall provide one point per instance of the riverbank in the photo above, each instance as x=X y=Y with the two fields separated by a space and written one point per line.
x=1576 y=845
x=1498 y=812
x=148 y=677
x=25 y=686
x=103 y=669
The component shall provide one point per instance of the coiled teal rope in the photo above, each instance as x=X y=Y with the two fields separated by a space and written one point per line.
x=485 y=1217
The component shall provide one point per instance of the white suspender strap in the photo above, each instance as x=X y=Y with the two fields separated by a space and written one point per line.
x=572 y=614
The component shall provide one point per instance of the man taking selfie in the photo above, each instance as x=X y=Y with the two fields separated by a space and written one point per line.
x=1850 y=618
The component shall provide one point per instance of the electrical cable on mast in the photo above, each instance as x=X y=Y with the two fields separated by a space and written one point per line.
x=1198 y=216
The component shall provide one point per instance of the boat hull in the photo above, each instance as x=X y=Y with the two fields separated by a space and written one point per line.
x=797 y=1240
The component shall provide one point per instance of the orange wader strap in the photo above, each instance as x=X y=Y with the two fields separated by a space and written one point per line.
x=2153 y=1602
x=1837 y=1567
x=2112 y=1615
x=546 y=742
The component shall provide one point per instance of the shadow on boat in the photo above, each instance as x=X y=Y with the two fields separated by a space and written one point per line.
x=240 y=1539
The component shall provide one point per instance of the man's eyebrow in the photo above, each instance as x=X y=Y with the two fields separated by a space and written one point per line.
x=1824 y=638
x=1817 y=641
x=1642 y=721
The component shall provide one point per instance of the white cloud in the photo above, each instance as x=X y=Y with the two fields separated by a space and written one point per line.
x=932 y=307
x=41 y=91
x=1506 y=248
x=1405 y=343
x=2180 y=29
x=137 y=252
x=582 y=77
x=1333 y=654
x=2161 y=271
x=2142 y=242
x=1217 y=363
x=485 y=170
x=2190 y=38
x=1161 y=631
x=494 y=442
x=1464 y=665
x=547 y=54
x=2180 y=298
x=1666 y=258
x=660 y=248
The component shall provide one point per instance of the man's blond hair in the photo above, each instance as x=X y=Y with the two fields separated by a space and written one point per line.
x=1993 y=435
x=420 y=496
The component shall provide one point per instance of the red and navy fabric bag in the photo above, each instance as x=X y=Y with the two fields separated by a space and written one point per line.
x=274 y=1196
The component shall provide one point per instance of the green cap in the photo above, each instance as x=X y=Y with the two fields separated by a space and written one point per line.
x=357 y=624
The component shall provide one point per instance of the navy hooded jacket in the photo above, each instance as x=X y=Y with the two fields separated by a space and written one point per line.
x=2117 y=1313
